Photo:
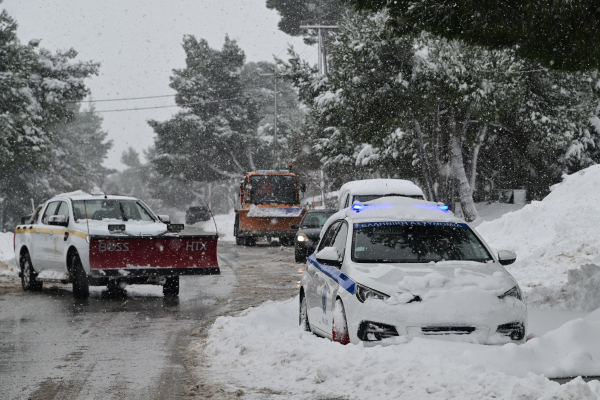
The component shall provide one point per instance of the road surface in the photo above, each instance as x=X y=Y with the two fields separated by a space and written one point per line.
x=133 y=345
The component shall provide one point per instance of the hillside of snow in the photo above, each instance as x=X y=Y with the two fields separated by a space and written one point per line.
x=557 y=240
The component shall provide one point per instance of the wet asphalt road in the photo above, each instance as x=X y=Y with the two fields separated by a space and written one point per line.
x=130 y=346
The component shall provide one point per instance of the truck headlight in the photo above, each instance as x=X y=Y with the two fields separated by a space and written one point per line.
x=302 y=237
x=364 y=293
x=513 y=292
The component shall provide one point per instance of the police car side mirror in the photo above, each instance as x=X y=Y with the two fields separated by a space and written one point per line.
x=165 y=219
x=506 y=257
x=329 y=256
x=58 y=220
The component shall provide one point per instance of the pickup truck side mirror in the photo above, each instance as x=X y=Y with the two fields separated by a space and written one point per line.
x=329 y=256
x=58 y=220
x=294 y=226
x=165 y=219
x=506 y=257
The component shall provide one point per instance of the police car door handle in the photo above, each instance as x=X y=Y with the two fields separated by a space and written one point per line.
x=51 y=233
x=66 y=236
x=37 y=231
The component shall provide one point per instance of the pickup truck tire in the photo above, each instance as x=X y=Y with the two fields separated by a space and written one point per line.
x=171 y=286
x=81 y=286
x=28 y=281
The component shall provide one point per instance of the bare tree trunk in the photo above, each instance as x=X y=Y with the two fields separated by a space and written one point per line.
x=464 y=189
x=480 y=140
x=424 y=163
x=250 y=158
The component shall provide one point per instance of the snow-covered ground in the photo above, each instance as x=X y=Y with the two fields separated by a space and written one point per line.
x=557 y=243
x=7 y=255
x=264 y=350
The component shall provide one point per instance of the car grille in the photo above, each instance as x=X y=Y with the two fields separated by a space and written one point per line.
x=447 y=330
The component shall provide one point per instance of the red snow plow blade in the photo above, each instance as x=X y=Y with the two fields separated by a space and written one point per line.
x=153 y=255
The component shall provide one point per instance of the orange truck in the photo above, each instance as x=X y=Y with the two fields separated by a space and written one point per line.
x=269 y=203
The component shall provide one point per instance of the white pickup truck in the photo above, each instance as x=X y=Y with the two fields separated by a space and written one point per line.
x=105 y=240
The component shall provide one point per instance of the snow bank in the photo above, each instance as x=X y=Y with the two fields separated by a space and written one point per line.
x=8 y=266
x=554 y=235
x=264 y=351
x=581 y=292
x=224 y=224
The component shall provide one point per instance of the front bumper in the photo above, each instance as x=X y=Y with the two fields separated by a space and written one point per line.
x=437 y=320
x=272 y=233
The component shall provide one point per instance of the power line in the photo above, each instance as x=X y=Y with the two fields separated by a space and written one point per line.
x=175 y=105
x=122 y=99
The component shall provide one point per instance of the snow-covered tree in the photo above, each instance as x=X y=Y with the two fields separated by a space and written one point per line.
x=38 y=90
x=435 y=110
x=226 y=126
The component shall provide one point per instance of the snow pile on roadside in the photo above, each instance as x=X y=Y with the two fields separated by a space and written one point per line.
x=264 y=351
x=554 y=235
x=8 y=266
x=581 y=292
x=224 y=224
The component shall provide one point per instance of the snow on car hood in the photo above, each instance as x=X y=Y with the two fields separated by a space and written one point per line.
x=408 y=277
x=131 y=227
x=448 y=291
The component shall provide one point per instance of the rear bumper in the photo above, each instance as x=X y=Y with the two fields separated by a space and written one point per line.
x=126 y=272
x=273 y=233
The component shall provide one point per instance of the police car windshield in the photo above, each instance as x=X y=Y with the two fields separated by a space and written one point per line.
x=123 y=210
x=315 y=219
x=280 y=189
x=416 y=242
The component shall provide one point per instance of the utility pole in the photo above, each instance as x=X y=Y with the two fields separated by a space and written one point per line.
x=276 y=143
x=322 y=48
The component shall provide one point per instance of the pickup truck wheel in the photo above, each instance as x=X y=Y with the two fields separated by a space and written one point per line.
x=81 y=286
x=250 y=241
x=299 y=256
x=240 y=241
x=28 y=281
x=171 y=286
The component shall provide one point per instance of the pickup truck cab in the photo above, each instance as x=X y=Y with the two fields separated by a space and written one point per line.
x=105 y=240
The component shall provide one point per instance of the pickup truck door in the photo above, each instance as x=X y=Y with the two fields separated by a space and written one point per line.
x=43 y=239
x=56 y=255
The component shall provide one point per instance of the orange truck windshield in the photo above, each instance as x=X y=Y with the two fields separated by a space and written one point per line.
x=280 y=189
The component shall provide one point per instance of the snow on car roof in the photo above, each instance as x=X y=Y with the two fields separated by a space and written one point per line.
x=81 y=195
x=395 y=209
x=382 y=186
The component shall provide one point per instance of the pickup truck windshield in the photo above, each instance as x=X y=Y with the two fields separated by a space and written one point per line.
x=279 y=189
x=123 y=210
x=417 y=244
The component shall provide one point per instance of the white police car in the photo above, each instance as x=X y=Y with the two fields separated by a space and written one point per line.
x=396 y=268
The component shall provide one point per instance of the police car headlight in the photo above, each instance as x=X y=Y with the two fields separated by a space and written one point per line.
x=302 y=237
x=513 y=292
x=364 y=293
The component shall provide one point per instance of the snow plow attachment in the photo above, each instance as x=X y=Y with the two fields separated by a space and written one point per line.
x=153 y=255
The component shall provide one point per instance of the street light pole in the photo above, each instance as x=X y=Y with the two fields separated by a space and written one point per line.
x=275 y=128
x=322 y=60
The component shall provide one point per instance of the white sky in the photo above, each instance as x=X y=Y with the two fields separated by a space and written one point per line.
x=138 y=43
